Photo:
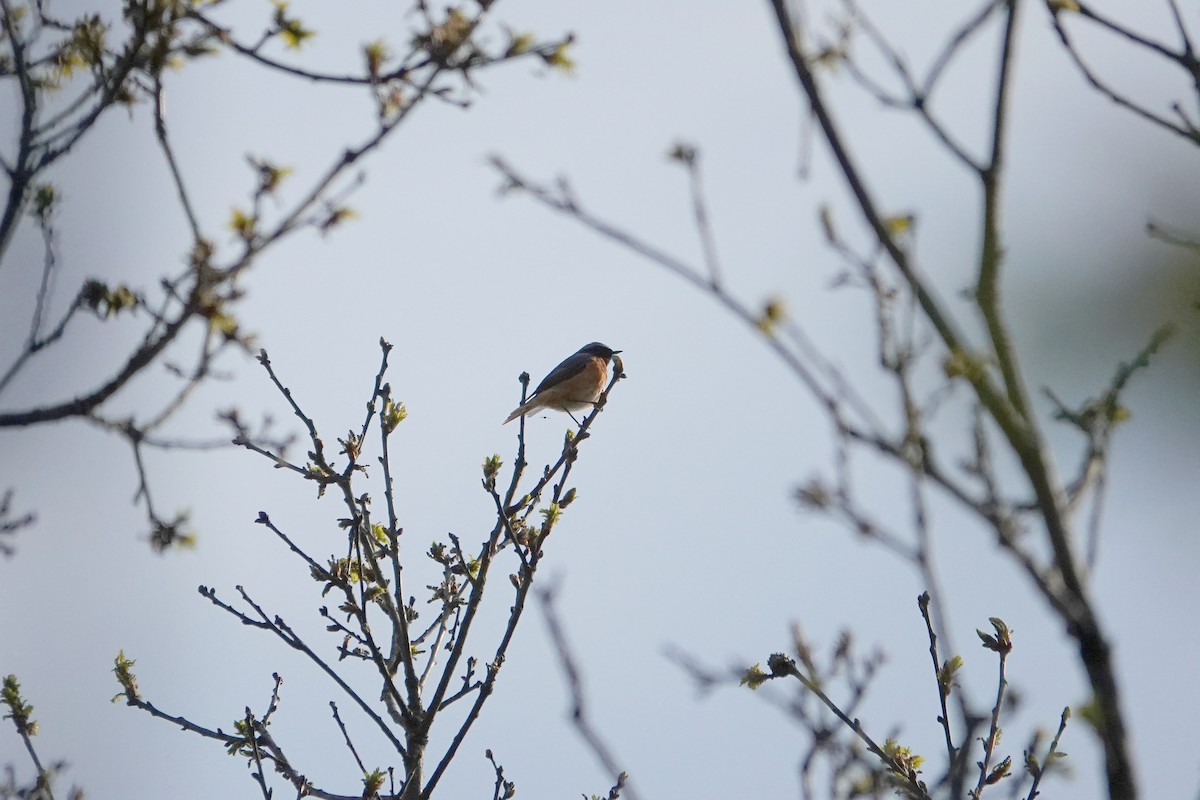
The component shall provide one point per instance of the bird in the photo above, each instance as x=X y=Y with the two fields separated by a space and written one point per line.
x=574 y=384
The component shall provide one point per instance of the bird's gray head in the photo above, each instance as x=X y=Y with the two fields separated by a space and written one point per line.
x=598 y=350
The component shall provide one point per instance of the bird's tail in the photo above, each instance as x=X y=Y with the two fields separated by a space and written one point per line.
x=521 y=410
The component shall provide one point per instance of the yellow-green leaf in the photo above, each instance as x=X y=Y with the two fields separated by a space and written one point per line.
x=900 y=224
x=242 y=224
x=773 y=313
x=559 y=59
x=1056 y=6
x=376 y=53
x=518 y=44
x=753 y=677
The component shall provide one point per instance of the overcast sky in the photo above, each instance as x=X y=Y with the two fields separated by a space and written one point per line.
x=684 y=534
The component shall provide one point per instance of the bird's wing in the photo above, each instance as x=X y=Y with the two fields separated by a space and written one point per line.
x=569 y=368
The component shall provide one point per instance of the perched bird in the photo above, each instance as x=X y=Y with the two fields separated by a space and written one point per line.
x=574 y=384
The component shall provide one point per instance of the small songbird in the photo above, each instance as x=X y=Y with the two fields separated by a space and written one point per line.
x=574 y=384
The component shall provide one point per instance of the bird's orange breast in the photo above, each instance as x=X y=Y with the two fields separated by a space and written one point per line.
x=582 y=388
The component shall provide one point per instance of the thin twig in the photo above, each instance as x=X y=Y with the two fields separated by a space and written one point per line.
x=346 y=735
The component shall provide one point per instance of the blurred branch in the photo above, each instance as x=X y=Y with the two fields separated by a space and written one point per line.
x=1183 y=57
x=889 y=768
x=992 y=370
x=1006 y=403
x=1096 y=419
x=918 y=95
x=20 y=169
x=1157 y=231
x=11 y=521
x=900 y=767
x=71 y=73
x=835 y=751
x=1038 y=769
x=764 y=321
x=579 y=717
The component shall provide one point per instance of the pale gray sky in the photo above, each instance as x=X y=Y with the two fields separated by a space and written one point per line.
x=684 y=534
